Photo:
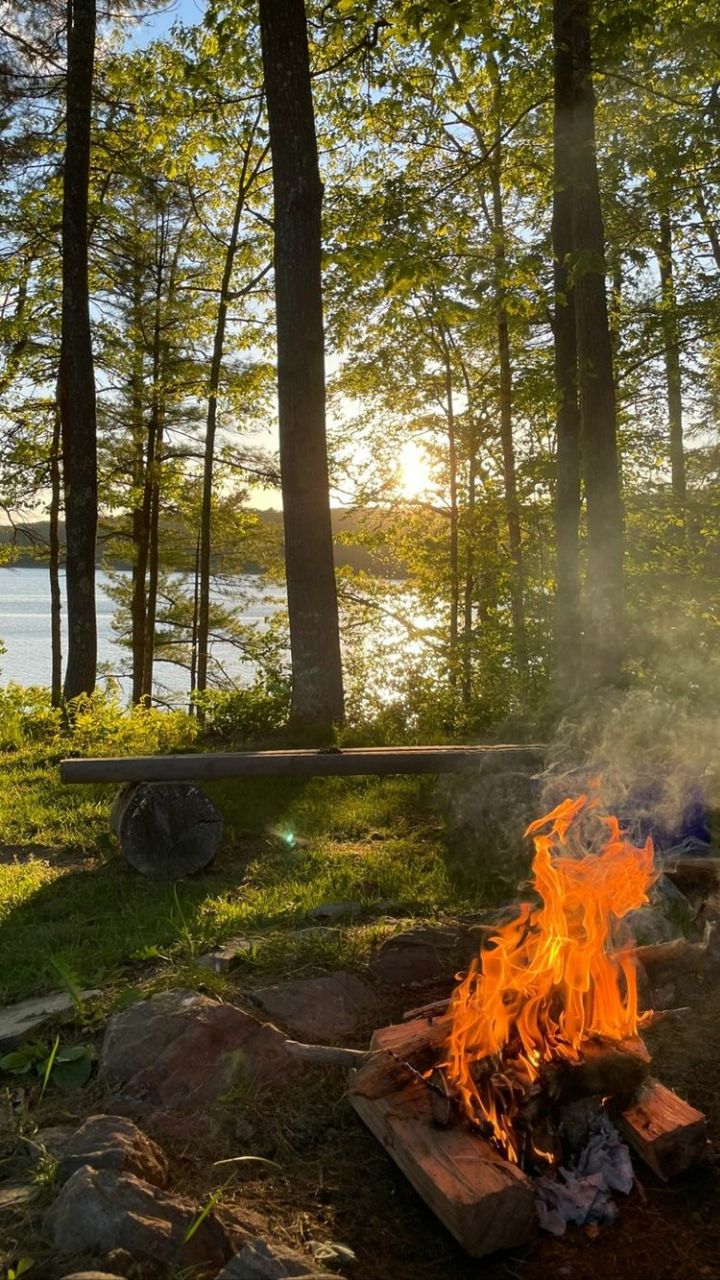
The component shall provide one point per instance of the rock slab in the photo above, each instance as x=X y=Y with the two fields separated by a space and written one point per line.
x=115 y=1143
x=98 y=1210
x=181 y=1051
x=425 y=954
x=261 y=1261
x=18 y=1021
x=319 y=1009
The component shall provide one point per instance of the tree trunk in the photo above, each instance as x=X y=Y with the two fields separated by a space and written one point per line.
x=151 y=499
x=512 y=506
x=454 y=556
x=604 y=612
x=671 y=342
x=568 y=630
x=709 y=226
x=210 y=430
x=54 y=565
x=141 y=509
x=317 y=694
x=77 y=379
x=195 y=626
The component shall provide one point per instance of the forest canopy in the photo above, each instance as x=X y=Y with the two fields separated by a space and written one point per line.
x=464 y=257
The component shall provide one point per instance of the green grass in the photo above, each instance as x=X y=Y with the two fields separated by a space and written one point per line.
x=67 y=896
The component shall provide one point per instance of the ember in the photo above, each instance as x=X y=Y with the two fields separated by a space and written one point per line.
x=550 y=982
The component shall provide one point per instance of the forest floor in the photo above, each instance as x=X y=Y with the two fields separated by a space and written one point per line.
x=72 y=911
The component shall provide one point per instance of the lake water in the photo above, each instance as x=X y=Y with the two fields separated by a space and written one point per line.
x=25 y=630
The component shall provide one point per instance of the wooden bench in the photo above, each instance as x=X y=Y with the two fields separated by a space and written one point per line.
x=167 y=826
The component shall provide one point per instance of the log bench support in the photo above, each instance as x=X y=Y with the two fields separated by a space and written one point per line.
x=167 y=827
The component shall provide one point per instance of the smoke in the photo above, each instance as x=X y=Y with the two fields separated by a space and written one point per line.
x=654 y=758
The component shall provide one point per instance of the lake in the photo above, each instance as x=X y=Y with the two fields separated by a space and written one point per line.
x=25 y=630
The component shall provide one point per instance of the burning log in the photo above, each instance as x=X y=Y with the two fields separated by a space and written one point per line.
x=409 y=1047
x=606 y=1067
x=484 y=1201
x=665 y=961
x=665 y=1131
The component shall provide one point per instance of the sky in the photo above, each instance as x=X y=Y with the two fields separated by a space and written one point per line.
x=160 y=22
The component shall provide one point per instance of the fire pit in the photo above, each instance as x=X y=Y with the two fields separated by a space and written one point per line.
x=509 y=1098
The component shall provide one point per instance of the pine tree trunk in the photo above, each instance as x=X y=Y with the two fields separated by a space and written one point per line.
x=141 y=509
x=454 y=552
x=604 y=605
x=568 y=630
x=77 y=379
x=203 y=629
x=151 y=501
x=512 y=506
x=54 y=565
x=673 y=371
x=317 y=693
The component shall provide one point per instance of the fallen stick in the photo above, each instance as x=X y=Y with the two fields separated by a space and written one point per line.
x=328 y=1055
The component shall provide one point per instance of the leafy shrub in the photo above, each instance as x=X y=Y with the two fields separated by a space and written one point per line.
x=26 y=715
x=248 y=714
x=99 y=724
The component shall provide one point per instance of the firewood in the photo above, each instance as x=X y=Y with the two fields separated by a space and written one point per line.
x=484 y=1201
x=404 y=1047
x=664 y=1130
x=665 y=961
x=695 y=873
x=606 y=1067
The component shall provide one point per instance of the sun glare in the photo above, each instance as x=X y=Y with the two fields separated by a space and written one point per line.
x=413 y=472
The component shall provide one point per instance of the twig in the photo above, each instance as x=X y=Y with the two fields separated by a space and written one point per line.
x=328 y=1055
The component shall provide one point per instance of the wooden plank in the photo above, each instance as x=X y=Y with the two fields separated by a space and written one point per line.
x=359 y=761
x=483 y=1200
x=664 y=1130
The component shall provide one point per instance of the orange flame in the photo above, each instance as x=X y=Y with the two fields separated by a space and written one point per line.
x=549 y=981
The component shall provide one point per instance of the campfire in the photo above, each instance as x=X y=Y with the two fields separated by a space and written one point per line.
x=507 y=1102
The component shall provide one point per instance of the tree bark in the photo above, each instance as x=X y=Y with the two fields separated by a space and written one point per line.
x=77 y=379
x=317 y=692
x=203 y=628
x=671 y=343
x=512 y=506
x=454 y=551
x=54 y=565
x=568 y=630
x=141 y=508
x=603 y=607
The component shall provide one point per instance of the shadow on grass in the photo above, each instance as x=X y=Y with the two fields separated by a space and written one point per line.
x=289 y=846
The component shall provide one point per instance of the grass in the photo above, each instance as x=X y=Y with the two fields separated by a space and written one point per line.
x=67 y=897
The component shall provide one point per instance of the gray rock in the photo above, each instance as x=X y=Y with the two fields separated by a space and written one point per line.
x=92 y=1275
x=14 y=1197
x=227 y=957
x=261 y=1261
x=116 y=1143
x=647 y=925
x=423 y=955
x=135 y=1035
x=326 y=1008
x=335 y=911
x=180 y=1052
x=51 y=1141
x=98 y=1211
x=19 y=1021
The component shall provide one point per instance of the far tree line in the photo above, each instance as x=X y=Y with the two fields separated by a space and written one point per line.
x=500 y=222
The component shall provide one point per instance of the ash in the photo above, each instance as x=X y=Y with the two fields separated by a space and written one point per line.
x=580 y=1195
